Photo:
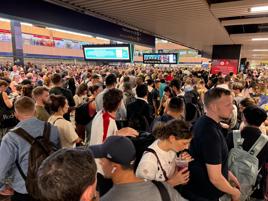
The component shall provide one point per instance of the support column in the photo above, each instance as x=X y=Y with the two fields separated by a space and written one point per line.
x=17 y=43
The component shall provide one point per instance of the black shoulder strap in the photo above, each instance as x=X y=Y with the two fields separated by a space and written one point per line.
x=163 y=190
x=20 y=170
x=46 y=132
x=158 y=160
x=24 y=134
x=56 y=120
x=30 y=139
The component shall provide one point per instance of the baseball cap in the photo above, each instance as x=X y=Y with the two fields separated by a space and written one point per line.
x=117 y=149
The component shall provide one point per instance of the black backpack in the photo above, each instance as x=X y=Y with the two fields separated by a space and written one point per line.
x=41 y=148
x=82 y=114
x=138 y=121
x=141 y=143
x=193 y=106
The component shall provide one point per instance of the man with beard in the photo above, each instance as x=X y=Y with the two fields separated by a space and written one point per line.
x=41 y=97
x=210 y=177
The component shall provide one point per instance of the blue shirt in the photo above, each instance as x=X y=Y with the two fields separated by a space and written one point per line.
x=13 y=148
x=161 y=89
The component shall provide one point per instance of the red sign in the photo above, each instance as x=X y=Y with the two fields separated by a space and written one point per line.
x=54 y=38
x=4 y=31
x=225 y=66
x=39 y=36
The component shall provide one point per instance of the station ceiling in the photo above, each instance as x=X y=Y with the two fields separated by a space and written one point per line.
x=197 y=24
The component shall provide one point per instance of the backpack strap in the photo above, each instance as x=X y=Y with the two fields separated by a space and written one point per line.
x=163 y=190
x=237 y=139
x=258 y=145
x=158 y=161
x=30 y=139
x=46 y=132
x=23 y=134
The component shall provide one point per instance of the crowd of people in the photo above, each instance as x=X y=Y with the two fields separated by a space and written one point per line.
x=87 y=132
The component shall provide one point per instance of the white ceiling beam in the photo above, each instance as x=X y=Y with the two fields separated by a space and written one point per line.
x=259 y=20
x=236 y=8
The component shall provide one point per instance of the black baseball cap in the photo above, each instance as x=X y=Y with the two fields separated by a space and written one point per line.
x=117 y=149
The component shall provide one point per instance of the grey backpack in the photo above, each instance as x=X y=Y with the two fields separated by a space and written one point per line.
x=245 y=165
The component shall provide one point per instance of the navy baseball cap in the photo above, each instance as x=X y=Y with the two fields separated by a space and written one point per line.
x=117 y=149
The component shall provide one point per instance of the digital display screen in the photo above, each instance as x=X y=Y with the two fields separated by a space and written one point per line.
x=113 y=53
x=160 y=58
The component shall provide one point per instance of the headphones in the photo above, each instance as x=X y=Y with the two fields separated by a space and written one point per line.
x=113 y=170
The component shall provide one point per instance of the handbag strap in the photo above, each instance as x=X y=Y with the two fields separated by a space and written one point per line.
x=163 y=190
x=158 y=161
x=57 y=120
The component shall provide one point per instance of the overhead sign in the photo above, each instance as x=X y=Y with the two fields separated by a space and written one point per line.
x=160 y=58
x=112 y=53
x=225 y=66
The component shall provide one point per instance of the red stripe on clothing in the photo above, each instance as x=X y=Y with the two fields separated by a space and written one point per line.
x=106 y=122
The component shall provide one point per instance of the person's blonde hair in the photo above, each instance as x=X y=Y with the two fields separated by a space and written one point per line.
x=24 y=105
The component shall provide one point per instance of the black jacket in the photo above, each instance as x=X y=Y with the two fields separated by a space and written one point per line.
x=140 y=108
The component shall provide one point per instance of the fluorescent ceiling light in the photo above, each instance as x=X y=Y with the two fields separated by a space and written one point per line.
x=260 y=50
x=4 y=20
x=259 y=55
x=70 y=32
x=100 y=38
x=26 y=24
x=259 y=39
x=259 y=9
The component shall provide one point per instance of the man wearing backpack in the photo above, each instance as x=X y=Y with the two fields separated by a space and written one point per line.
x=15 y=151
x=253 y=117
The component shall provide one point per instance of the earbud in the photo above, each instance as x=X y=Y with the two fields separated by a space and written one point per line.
x=113 y=170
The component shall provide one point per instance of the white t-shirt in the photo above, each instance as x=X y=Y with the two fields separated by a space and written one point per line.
x=66 y=131
x=97 y=128
x=150 y=169
x=100 y=121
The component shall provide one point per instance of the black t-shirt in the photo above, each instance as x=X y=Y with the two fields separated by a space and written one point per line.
x=251 y=135
x=156 y=97
x=207 y=147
